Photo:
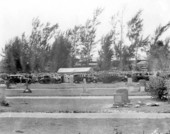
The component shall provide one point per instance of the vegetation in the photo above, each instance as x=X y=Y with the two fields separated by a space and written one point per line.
x=106 y=53
x=157 y=88
x=135 y=27
x=122 y=52
x=48 y=49
x=59 y=53
x=87 y=37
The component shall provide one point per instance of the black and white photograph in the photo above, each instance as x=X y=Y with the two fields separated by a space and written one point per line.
x=84 y=67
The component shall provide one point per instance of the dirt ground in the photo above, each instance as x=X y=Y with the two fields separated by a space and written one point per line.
x=82 y=126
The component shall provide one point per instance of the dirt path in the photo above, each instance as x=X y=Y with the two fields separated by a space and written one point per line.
x=66 y=88
x=115 y=115
x=72 y=97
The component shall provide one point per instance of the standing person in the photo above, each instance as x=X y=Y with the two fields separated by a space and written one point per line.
x=7 y=82
x=71 y=79
x=62 y=78
x=84 y=84
x=3 y=101
x=27 y=89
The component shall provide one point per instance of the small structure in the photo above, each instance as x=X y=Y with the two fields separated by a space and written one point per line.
x=75 y=70
x=143 y=65
x=68 y=73
x=121 y=97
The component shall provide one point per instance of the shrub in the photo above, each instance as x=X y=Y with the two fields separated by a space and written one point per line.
x=135 y=78
x=112 y=78
x=157 y=88
x=107 y=79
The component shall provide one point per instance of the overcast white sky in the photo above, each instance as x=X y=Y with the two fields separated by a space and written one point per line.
x=16 y=15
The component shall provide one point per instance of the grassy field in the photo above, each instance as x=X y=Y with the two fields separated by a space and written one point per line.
x=74 y=105
x=69 y=85
x=66 y=89
x=70 y=92
x=82 y=126
x=55 y=105
x=78 y=126
x=80 y=106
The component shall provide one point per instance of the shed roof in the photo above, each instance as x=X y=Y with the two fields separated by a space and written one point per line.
x=75 y=70
x=142 y=62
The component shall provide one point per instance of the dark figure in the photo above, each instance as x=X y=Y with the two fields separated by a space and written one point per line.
x=62 y=79
x=27 y=89
x=158 y=74
x=7 y=82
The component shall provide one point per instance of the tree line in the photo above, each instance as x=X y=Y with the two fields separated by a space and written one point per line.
x=48 y=48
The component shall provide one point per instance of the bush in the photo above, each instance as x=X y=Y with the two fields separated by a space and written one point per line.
x=110 y=79
x=135 y=78
x=107 y=79
x=157 y=88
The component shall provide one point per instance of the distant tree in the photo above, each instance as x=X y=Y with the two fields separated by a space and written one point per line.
x=39 y=42
x=30 y=54
x=60 y=53
x=73 y=36
x=118 y=40
x=159 y=58
x=135 y=27
x=25 y=54
x=8 y=60
x=16 y=55
x=13 y=52
x=87 y=37
x=159 y=51
x=106 y=53
x=122 y=52
x=158 y=32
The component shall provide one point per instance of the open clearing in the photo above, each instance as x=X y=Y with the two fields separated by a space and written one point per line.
x=68 y=92
x=82 y=126
x=67 y=89
x=80 y=106
x=69 y=85
x=95 y=105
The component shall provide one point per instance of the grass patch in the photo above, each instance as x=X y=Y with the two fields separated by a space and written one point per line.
x=83 y=126
x=69 y=92
x=69 y=85
x=81 y=106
